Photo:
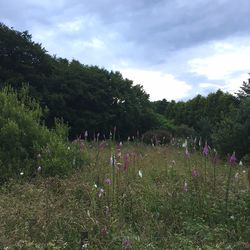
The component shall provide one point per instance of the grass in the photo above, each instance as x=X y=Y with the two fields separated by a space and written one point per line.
x=129 y=211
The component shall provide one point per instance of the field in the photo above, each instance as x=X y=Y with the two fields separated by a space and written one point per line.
x=131 y=196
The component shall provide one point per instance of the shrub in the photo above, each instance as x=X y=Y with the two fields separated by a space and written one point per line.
x=158 y=136
x=23 y=137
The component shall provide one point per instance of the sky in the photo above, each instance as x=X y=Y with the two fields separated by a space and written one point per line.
x=175 y=49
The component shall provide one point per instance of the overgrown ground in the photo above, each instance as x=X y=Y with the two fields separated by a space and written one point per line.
x=142 y=197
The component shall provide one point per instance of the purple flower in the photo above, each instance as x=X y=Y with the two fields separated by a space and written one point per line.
x=102 y=145
x=187 y=153
x=205 y=149
x=215 y=158
x=126 y=161
x=232 y=159
x=194 y=173
x=126 y=244
x=108 y=181
x=104 y=231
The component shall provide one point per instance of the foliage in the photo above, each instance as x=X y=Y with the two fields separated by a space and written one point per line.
x=151 y=210
x=157 y=136
x=233 y=132
x=86 y=97
x=23 y=138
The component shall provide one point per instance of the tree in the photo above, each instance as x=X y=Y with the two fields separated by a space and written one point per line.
x=245 y=89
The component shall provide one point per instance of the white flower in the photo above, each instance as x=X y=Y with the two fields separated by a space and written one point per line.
x=86 y=134
x=39 y=169
x=101 y=192
x=88 y=213
x=140 y=173
x=240 y=163
x=236 y=176
x=22 y=173
x=95 y=186
x=244 y=171
x=184 y=145
x=68 y=148
x=232 y=217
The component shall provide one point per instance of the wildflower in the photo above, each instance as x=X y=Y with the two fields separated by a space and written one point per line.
x=240 y=163
x=140 y=173
x=108 y=181
x=194 y=173
x=39 y=156
x=236 y=176
x=102 y=145
x=232 y=217
x=39 y=169
x=244 y=171
x=216 y=157
x=232 y=159
x=104 y=231
x=200 y=142
x=22 y=173
x=101 y=192
x=86 y=135
x=184 y=145
x=126 y=244
x=205 y=149
x=126 y=161
x=68 y=148
x=128 y=138
x=185 y=188
x=95 y=186
x=88 y=213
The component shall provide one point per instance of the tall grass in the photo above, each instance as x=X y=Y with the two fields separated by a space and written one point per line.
x=130 y=197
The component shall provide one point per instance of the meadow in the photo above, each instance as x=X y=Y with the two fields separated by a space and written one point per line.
x=131 y=196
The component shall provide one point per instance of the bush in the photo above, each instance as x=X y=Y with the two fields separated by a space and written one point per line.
x=158 y=136
x=24 y=138
x=184 y=131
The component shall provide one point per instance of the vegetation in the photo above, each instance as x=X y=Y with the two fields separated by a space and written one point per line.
x=24 y=139
x=144 y=197
x=94 y=99
x=62 y=187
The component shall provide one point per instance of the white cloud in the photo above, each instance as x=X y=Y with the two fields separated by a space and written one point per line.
x=205 y=85
x=158 y=84
x=226 y=62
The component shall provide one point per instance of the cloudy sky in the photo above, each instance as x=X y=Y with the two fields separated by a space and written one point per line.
x=176 y=49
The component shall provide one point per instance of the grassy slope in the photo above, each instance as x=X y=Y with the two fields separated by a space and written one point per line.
x=152 y=212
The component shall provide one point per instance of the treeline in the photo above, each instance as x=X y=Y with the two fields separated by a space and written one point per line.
x=95 y=99
x=86 y=97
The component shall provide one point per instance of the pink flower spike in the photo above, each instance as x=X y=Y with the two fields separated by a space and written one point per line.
x=126 y=244
x=216 y=157
x=205 y=149
x=232 y=159
x=195 y=173
x=126 y=161
x=108 y=181
x=104 y=231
